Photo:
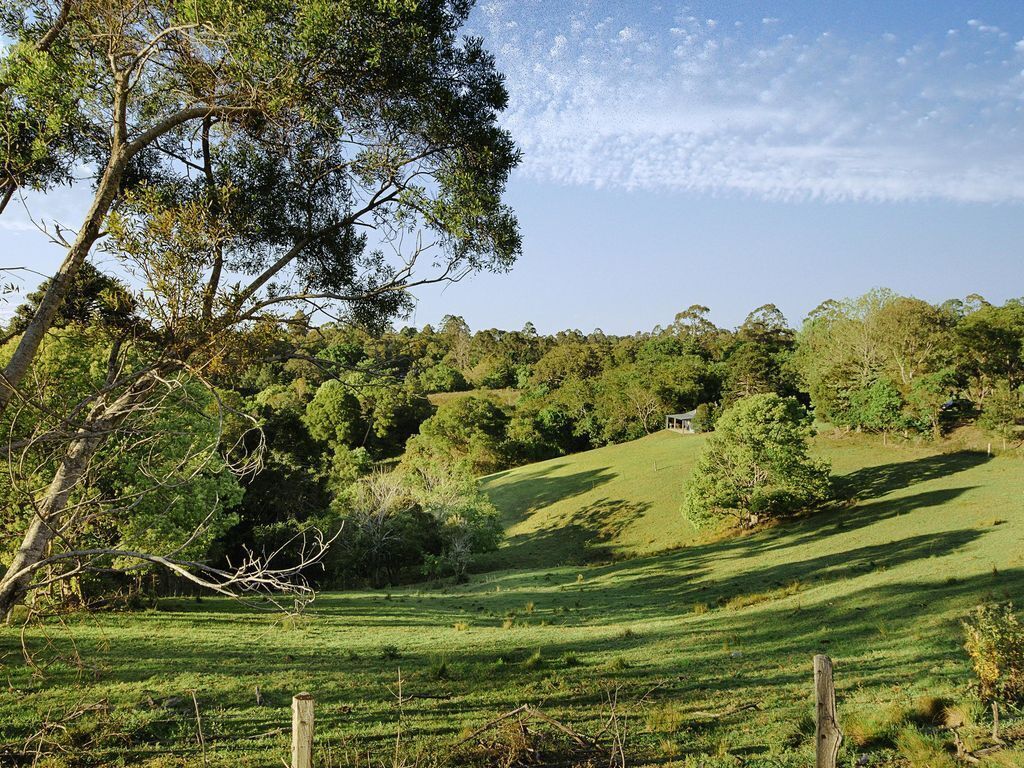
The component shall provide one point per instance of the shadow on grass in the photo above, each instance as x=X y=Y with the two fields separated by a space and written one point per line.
x=535 y=490
x=877 y=481
x=582 y=539
x=901 y=635
x=584 y=535
x=835 y=520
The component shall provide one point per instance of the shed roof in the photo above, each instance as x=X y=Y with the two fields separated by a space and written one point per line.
x=687 y=415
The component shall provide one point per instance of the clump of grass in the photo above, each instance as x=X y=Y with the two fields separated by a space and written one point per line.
x=460 y=626
x=1007 y=758
x=667 y=718
x=535 y=661
x=929 y=711
x=754 y=598
x=699 y=609
x=571 y=660
x=440 y=671
x=389 y=652
x=959 y=716
x=627 y=633
x=352 y=655
x=295 y=621
x=922 y=750
x=618 y=664
x=669 y=748
x=878 y=726
x=797 y=732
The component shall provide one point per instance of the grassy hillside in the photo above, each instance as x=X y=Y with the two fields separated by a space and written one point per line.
x=505 y=396
x=618 y=500
x=707 y=646
x=624 y=500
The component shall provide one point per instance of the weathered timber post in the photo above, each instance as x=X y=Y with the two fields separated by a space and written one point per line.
x=827 y=735
x=302 y=731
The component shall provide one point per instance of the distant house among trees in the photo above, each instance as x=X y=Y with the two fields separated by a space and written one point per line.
x=681 y=422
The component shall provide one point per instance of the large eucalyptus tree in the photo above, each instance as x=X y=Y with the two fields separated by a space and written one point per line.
x=250 y=160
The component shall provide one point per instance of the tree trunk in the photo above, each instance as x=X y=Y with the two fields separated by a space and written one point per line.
x=47 y=518
x=43 y=319
x=36 y=542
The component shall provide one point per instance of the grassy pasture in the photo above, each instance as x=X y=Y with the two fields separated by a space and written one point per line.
x=682 y=626
x=504 y=396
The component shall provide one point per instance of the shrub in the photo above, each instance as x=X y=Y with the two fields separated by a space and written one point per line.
x=756 y=464
x=705 y=417
x=995 y=643
x=1003 y=410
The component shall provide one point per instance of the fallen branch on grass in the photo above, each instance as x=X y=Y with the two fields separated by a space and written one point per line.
x=526 y=712
x=724 y=712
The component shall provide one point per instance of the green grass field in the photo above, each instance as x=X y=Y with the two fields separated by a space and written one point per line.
x=504 y=396
x=601 y=590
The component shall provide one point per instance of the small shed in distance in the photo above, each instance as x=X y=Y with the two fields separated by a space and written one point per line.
x=680 y=422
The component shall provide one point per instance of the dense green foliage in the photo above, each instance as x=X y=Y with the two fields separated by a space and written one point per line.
x=885 y=362
x=756 y=465
x=995 y=643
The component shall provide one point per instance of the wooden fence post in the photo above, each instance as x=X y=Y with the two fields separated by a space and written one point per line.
x=302 y=731
x=827 y=735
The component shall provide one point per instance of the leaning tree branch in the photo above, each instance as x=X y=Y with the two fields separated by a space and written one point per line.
x=253 y=576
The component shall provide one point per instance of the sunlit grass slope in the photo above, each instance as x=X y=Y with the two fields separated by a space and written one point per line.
x=618 y=500
x=880 y=584
x=624 y=500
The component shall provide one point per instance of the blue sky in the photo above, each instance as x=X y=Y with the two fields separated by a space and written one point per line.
x=734 y=153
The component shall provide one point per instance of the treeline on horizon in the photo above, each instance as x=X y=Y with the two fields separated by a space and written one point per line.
x=385 y=430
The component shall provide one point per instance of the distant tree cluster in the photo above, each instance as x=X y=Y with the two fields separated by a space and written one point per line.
x=885 y=362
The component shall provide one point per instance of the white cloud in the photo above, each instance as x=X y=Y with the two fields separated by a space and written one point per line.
x=982 y=27
x=558 y=48
x=718 y=110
